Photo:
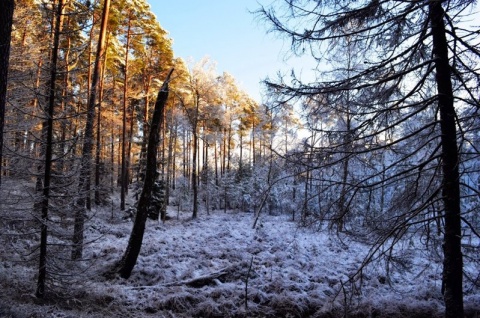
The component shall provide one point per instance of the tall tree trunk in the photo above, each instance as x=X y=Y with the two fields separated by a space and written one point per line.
x=174 y=160
x=229 y=146
x=194 y=173
x=99 y=143
x=453 y=262
x=65 y=99
x=143 y=149
x=128 y=154
x=89 y=85
x=241 y=149
x=6 y=20
x=170 y=158
x=48 y=134
x=216 y=158
x=224 y=152
x=85 y=168
x=129 y=259
x=33 y=145
x=253 y=143
x=342 y=207
x=205 y=172
x=123 y=173
x=194 y=156
x=184 y=154
x=112 y=159
x=119 y=158
x=161 y=155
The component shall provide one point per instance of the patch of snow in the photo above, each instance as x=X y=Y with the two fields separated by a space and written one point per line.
x=294 y=271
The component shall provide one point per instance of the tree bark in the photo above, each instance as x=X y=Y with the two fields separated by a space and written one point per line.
x=98 y=142
x=216 y=158
x=170 y=160
x=85 y=169
x=194 y=157
x=48 y=130
x=194 y=173
x=129 y=259
x=123 y=173
x=453 y=262
x=6 y=20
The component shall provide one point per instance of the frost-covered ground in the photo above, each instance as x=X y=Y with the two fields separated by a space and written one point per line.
x=199 y=268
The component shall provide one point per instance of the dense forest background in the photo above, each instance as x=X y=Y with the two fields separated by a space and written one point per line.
x=370 y=150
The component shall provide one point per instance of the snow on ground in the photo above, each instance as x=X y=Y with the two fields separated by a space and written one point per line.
x=291 y=272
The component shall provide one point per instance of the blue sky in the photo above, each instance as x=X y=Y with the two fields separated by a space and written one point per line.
x=225 y=31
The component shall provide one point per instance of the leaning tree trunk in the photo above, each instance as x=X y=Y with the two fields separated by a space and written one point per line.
x=452 y=263
x=136 y=237
x=6 y=20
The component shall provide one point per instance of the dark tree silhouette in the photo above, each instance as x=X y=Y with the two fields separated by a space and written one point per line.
x=129 y=259
x=6 y=20
x=48 y=135
x=417 y=78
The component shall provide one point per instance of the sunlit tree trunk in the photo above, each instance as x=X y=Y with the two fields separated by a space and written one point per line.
x=128 y=154
x=85 y=168
x=112 y=158
x=124 y=172
x=98 y=147
x=99 y=129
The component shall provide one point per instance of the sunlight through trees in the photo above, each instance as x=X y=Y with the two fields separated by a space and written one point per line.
x=379 y=147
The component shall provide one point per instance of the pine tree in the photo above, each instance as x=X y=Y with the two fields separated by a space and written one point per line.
x=85 y=169
x=48 y=129
x=129 y=259
x=418 y=67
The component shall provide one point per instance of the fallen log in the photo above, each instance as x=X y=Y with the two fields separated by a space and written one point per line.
x=197 y=282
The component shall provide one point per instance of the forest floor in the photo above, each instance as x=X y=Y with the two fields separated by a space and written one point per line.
x=218 y=266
